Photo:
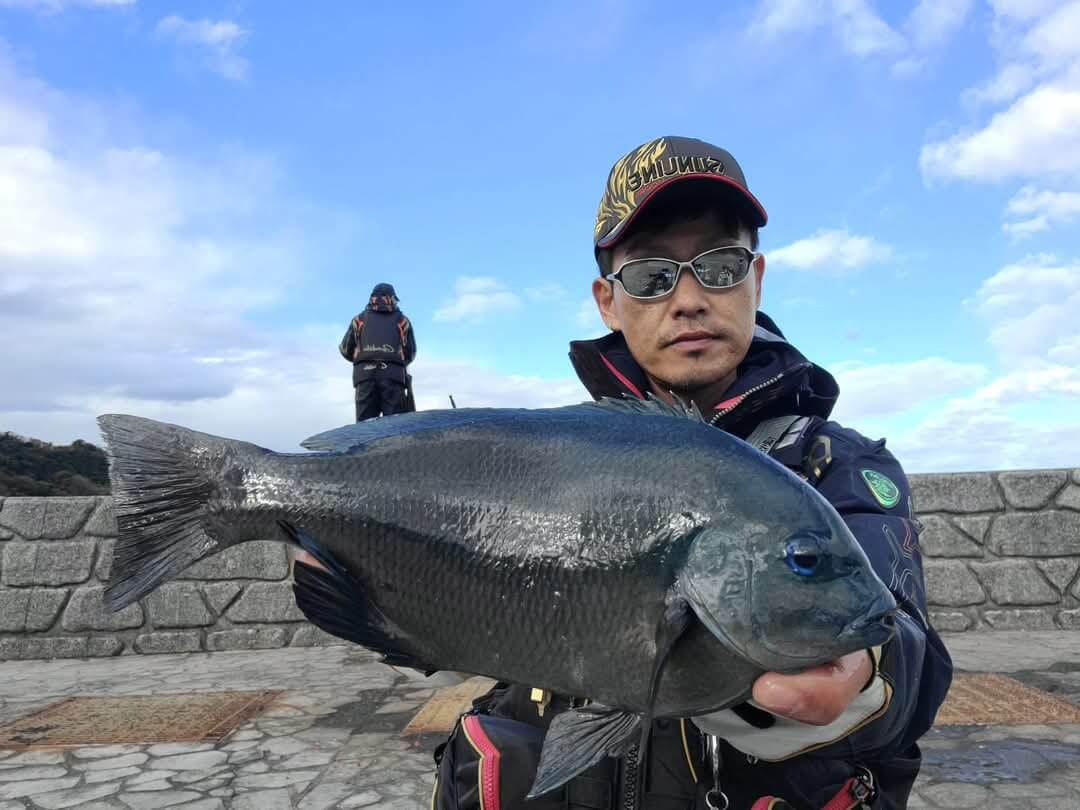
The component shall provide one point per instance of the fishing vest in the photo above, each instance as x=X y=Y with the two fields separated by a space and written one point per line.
x=379 y=338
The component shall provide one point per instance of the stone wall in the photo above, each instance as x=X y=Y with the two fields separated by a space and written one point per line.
x=1001 y=550
x=54 y=563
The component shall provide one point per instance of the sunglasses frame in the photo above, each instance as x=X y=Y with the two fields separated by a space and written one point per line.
x=617 y=275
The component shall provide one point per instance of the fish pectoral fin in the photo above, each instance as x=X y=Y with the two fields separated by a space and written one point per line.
x=333 y=600
x=579 y=738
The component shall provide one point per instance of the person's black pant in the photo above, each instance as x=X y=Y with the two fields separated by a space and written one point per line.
x=380 y=390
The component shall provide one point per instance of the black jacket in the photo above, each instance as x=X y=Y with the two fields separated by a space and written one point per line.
x=914 y=669
x=379 y=334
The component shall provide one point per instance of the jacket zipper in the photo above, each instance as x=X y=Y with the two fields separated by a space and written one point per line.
x=757 y=388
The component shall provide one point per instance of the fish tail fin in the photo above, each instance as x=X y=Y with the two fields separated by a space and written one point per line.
x=162 y=487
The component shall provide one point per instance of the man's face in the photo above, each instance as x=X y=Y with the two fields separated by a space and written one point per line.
x=693 y=338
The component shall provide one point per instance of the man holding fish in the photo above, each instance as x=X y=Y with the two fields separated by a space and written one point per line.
x=680 y=283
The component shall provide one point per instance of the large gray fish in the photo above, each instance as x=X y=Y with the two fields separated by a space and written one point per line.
x=621 y=551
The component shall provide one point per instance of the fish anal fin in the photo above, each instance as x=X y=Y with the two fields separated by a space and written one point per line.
x=333 y=600
x=579 y=738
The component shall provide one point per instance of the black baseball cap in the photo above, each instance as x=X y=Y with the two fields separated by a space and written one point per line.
x=639 y=175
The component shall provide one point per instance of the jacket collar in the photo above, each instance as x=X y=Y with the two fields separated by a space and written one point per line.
x=773 y=379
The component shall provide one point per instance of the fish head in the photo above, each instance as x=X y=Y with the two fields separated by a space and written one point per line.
x=787 y=599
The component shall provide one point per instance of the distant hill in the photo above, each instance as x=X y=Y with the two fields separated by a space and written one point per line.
x=32 y=467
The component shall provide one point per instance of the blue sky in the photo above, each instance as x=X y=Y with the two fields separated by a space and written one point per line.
x=197 y=197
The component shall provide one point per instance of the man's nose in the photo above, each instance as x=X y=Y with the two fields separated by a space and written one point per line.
x=689 y=297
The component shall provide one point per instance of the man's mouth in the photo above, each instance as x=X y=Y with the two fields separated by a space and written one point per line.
x=692 y=341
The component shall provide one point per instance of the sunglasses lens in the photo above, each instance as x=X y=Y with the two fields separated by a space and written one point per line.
x=649 y=277
x=723 y=268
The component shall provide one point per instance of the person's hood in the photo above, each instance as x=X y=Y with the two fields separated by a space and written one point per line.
x=383 y=298
x=774 y=379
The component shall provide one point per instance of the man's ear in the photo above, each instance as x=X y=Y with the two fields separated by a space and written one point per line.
x=759 y=276
x=604 y=295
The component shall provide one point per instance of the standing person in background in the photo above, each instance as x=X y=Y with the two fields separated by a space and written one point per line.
x=380 y=344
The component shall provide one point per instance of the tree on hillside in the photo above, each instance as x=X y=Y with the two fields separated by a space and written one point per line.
x=32 y=467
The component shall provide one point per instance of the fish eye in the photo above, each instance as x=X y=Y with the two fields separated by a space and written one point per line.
x=802 y=558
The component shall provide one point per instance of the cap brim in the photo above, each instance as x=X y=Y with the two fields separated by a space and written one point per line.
x=724 y=187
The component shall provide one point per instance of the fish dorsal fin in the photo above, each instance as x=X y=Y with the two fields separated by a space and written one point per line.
x=652 y=405
x=355 y=436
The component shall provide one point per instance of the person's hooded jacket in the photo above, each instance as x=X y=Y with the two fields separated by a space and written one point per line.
x=379 y=334
x=763 y=754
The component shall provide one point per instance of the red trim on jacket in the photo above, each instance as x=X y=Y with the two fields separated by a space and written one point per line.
x=489 y=762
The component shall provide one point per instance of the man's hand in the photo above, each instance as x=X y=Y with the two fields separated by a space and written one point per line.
x=817 y=696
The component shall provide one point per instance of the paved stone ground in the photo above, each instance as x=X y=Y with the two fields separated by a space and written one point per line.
x=334 y=742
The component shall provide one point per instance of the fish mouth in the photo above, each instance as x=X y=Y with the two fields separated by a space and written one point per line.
x=877 y=622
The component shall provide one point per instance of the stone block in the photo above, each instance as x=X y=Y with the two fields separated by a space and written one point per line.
x=219 y=595
x=974 y=526
x=1059 y=572
x=103 y=522
x=1031 y=489
x=312 y=636
x=65 y=516
x=950 y=621
x=87 y=611
x=151 y=643
x=1020 y=619
x=1050 y=533
x=23 y=516
x=30 y=609
x=104 y=646
x=955 y=492
x=247 y=638
x=940 y=538
x=951 y=584
x=65 y=562
x=1070 y=498
x=1015 y=582
x=32 y=647
x=266 y=602
x=1076 y=475
x=103 y=566
x=1069 y=619
x=178 y=604
x=262 y=559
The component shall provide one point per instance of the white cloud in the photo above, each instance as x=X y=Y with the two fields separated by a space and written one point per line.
x=891 y=389
x=477 y=297
x=977 y=433
x=776 y=17
x=932 y=21
x=1023 y=9
x=54 y=6
x=860 y=30
x=1039 y=135
x=130 y=274
x=831 y=251
x=1033 y=310
x=218 y=39
x=1034 y=210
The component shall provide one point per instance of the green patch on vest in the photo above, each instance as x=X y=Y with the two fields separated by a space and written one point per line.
x=883 y=489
